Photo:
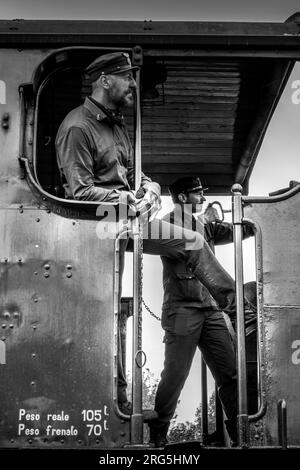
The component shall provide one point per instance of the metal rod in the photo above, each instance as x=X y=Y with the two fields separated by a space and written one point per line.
x=204 y=421
x=137 y=417
x=242 y=418
x=116 y=306
x=22 y=122
x=260 y=353
x=282 y=423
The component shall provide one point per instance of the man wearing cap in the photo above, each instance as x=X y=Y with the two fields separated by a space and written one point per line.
x=95 y=160
x=94 y=152
x=191 y=318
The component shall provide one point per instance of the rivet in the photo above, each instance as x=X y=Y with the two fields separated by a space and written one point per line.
x=5 y=260
x=32 y=384
x=97 y=441
x=3 y=338
x=122 y=433
x=74 y=223
x=30 y=441
x=35 y=300
x=48 y=211
x=69 y=266
x=31 y=123
x=21 y=211
x=20 y=261
x=16 y=315
x=62 y=441
x=38 y=219
x=6 y=315
x=34 y=327
x=11 y=325
x=47 y=266
x=79 y=441
x=3 y=325
x=12 y=441
x=33 y=355
x=256 y=436
x=46 y=274
x=21 y=206
x=69 y=274
x=35 y=273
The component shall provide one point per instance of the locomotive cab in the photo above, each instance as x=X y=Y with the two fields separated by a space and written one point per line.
x=207 y=95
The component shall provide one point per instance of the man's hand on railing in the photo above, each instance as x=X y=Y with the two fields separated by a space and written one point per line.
x=211 y=214
x=150 y=204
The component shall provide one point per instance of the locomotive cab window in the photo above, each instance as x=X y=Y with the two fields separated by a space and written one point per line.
x=62 y=86
x=199 y=115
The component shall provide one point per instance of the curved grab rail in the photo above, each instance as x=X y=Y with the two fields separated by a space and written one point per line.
x=258 y=254
x=269 y=199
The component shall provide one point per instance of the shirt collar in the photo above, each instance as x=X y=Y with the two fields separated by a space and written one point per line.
x=101 y=113
x=94 y=109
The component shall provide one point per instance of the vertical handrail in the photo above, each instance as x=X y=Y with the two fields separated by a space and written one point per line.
x=282 y=423
x=262 y=404
x=242 y=418
x=204 y=414
x=137 y=417
x=22 y=122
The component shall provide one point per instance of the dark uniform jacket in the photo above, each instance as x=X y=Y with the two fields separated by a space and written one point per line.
x=184 y=294
x=95 y=156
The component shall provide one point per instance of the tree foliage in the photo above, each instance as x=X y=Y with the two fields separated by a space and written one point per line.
x=178 y=432
x=190 y=431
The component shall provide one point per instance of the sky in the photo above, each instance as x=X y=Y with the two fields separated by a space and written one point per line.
x=278 y=161
x=197 y=10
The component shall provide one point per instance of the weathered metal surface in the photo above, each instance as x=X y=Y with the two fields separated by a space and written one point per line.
x=57 y=324
x=16 y=67
x=279 y=303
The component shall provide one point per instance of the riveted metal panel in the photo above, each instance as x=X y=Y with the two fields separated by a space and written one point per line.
x=279 y=318
x=57 y=324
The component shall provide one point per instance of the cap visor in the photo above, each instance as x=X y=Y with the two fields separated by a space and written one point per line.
x=124 y=70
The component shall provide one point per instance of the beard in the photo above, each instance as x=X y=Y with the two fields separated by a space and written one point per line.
x=126 y=100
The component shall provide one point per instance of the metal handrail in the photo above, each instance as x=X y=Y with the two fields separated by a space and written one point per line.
x=137 y=416
x=243 y=424
x=259 y=281
x=282 y=423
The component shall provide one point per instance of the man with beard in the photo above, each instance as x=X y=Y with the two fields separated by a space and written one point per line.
x=191 y=318
x=95 y=159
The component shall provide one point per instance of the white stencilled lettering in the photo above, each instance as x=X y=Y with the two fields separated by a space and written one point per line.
x=62 y=416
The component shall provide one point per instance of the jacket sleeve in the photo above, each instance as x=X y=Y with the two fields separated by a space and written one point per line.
x=221 y=233
x=76 y=161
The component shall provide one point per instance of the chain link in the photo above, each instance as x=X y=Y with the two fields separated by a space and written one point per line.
x=141 y=288
x=150 y=311
x=141 y=300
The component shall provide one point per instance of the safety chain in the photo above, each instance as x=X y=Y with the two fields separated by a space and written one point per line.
x=150 y=311
x=141 y=284
x=140 y=290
